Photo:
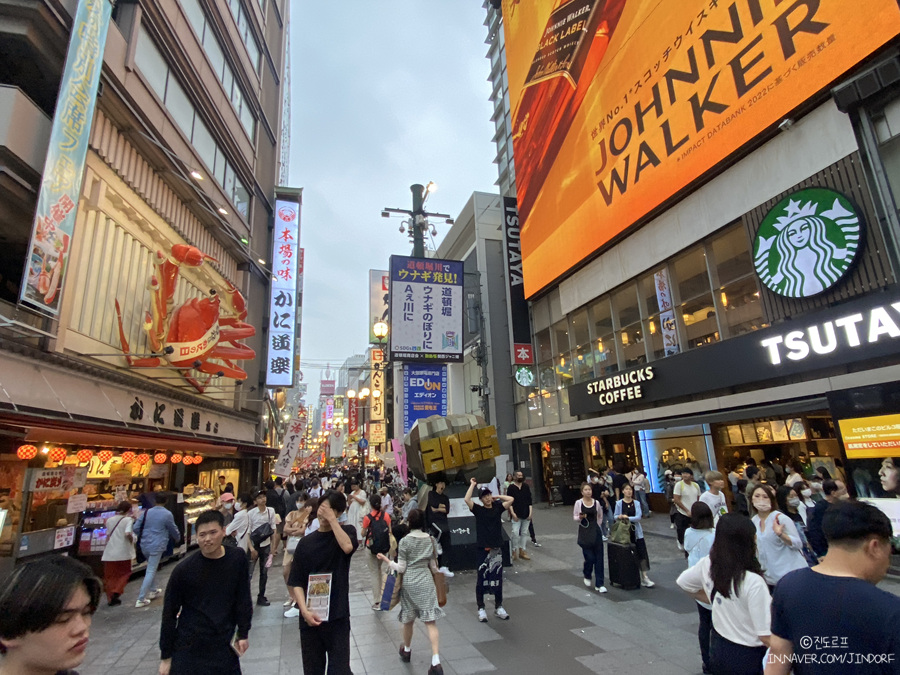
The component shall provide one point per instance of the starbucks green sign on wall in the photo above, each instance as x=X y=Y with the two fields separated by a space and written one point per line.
x=807 y=242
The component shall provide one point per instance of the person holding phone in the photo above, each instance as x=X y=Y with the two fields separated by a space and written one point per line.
x=777 y=541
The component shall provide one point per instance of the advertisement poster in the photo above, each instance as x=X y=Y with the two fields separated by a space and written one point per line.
x=54 y=220
x=424 y=393
x=283 y=296
x=426 y=309
x=618 y=105
x=379 y=294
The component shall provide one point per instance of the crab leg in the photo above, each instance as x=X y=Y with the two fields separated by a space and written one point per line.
x=151 y=362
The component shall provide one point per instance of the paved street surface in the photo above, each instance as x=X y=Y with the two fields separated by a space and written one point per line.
x=556 y=624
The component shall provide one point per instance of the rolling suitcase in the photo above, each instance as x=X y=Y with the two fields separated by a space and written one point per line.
x=624 y=567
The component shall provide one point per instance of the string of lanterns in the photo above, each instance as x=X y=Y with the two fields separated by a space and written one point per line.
x=58 y=455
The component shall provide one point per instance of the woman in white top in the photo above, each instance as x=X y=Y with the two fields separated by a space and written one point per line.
x=779 y=545
x=730 y=579
x=357 y=506
x=118 y=553
x=698 y=540
x=792 y=474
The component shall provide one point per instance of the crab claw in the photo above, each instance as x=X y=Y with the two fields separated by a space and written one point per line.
x=190 y=255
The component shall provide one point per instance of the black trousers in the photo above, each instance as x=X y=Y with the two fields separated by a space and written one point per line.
x=263 y=570
x=703 y=633
x=682 y=523
x=212 y=659
x=329 y=642
x=480 y=556
x=729 y=658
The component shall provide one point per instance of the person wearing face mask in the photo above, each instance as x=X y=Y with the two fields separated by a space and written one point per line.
x=834 y=491
x=778 y=544
x=789 y=503
x=239 y=526
x=838 y=599
x=226 y=507
x=801 y=487
x=520 y=513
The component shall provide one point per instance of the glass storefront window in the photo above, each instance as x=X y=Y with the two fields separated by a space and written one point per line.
x=564 y=370
x=655 y=339
x=550 y=405
x=700 y=321
x=544 y=351
x=731 y=252
x=578 y=328
x=675 y=448
x=691 y=274
x=561 y=336
x=649 y=294
x=626 y=304
x=742 y=309
x=546 y=377
x=535 y=418
x=605 y=355
x=583 y=363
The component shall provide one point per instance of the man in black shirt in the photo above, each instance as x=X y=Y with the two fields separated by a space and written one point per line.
x=831 y=618
x=520 y=514
x=207 y=600
x=436 y=517
x=834 y=491
x=325 y=553
x=489 y=539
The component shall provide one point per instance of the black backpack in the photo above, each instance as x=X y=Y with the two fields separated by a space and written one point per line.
x=379 y=535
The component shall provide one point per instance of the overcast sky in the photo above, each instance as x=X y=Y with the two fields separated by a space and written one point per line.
x=384 y=94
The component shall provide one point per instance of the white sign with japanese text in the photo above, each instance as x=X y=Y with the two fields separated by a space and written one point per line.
x=426 y=307
x=292 y=438
x=379 y=291
x=283 y=299
x=377 y=405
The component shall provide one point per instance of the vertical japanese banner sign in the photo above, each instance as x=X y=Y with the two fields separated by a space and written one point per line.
x=283 y=294
x=329 y=413
x=353 y=416
x=336 y=444
x=54 y=218
x=426 y=309
x=377 y=409
x=400 y=457
x=521 y=348
x=424 y=393
x=299 y=303
x=287 y=456
x=666 y=312
x=379 y=290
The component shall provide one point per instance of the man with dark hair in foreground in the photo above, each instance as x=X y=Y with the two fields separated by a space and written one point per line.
x=831 y=618
x=207 y=606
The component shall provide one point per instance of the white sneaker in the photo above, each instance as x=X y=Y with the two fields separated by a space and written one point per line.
x=646 y=583
x=292 y=613
x=587 y=582
x=141 y=603
x=500 y=613
x=680 y=547
x=446 y=572
x=482 y=615
x=600 y=589
x=605 y=538
x=672 y=526
x=287 y=603
x=154 y=594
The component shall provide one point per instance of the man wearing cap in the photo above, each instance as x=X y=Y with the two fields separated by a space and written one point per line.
x=226 y=507
x=261 y=551
x=489 y=540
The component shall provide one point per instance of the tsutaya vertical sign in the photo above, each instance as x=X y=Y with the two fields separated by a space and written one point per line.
x=377 y=408
x=519 y=322
x=54 y=219
x=379 y=292
x=283 y=300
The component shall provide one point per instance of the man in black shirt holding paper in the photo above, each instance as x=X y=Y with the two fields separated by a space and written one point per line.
x=489 y=540
x=436 y=516
x=207 y=607
x=319 y=582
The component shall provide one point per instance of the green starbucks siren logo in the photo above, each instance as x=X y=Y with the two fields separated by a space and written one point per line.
x=806 y=243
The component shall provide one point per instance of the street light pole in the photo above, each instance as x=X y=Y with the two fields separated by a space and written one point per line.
x=418 y=217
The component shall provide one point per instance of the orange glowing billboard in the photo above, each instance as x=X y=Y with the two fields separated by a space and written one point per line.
x=617 y=105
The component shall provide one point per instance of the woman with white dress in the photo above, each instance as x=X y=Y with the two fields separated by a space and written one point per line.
x=357 y=506
x=777 y=541
x=118 y=553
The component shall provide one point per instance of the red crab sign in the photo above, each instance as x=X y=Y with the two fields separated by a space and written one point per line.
x=194 y=336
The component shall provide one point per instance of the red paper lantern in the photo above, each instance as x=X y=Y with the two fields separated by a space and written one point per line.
x=58 y=454
x=159 y=458
x=143 y=458
x=105 y=455
x=187 y=460
x=26 y=452
x=85 y=455
x=198 y=459
x=176 y=458
x=127 y=457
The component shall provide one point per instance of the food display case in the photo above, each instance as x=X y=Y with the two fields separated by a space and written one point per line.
x=91 y=532
x=196 y=501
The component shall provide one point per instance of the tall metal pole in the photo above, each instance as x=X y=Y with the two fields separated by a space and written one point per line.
x=418 y=219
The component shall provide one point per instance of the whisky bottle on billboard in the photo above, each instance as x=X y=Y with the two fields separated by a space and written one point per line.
x=565 y=62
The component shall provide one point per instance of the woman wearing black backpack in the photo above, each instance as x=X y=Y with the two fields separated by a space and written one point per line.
x=376 y=528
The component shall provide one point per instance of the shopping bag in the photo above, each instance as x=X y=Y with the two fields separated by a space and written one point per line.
x=440 y=587
x=390 y=591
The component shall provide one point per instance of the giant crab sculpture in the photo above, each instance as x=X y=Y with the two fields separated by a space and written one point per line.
x=194 y=336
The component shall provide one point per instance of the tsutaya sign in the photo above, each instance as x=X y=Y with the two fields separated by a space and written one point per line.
x=864 y=329
x=852 y=331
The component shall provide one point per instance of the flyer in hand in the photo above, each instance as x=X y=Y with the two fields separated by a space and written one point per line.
x=318 y=595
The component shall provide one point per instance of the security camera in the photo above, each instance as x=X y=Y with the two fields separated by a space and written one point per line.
x=402 y=228
x=474 y=388
x=785 y=124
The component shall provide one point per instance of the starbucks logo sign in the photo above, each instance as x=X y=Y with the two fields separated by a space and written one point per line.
x=807 y=242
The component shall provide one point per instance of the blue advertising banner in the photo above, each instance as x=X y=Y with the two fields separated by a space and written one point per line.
x=424 y=393
x=54 y=218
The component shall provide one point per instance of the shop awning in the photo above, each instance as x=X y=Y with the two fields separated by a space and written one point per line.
x=62 y=436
